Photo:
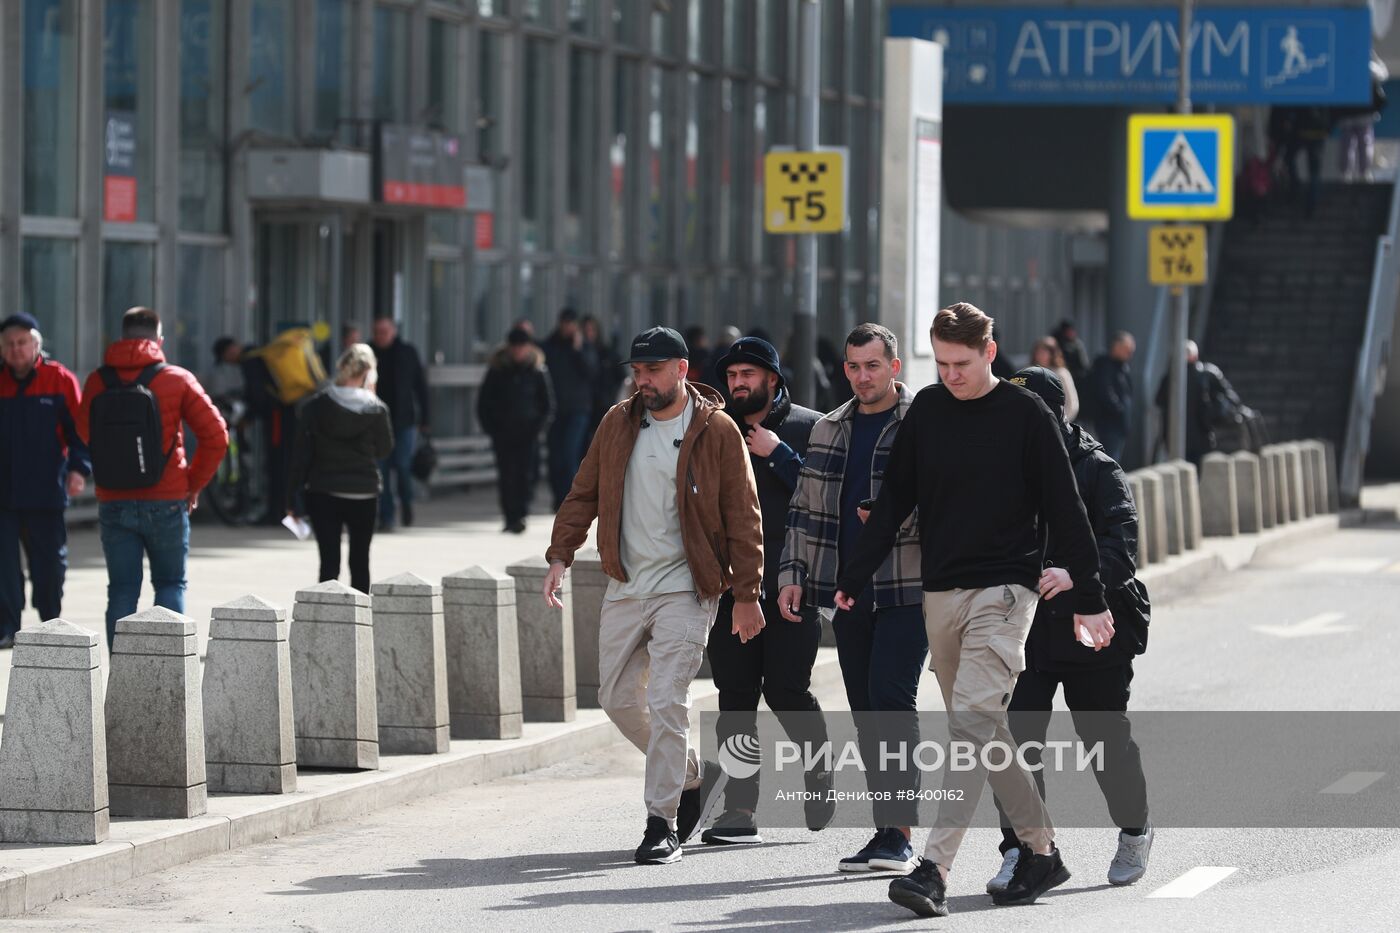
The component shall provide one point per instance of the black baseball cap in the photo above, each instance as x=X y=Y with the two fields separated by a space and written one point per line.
x=20 y=319
x=1044 y=383
x=656 y=345
x=753 y=350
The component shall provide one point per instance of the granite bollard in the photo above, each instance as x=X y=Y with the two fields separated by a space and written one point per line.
x=1172 y=508
x=155 y=718
x=1329 y=463
x=1317 y=458
x=1309 y=477
x=1283 y=500
x=483 y=655
x=1152 y=536
x=589 y=589
x=410 y=665
x=53 y=757
x=1190 y=501
x=1220 y=504
x=333 y=685
x=1268 y=489
x=249 y=736
x=547 y=684
x=1296 y=481
x=1135 y=489
x=1249 y=490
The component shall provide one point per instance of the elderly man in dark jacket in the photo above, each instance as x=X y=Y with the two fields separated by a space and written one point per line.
x=513 y=407
x=43 y=463
x=776 y=665
x=1096 y=683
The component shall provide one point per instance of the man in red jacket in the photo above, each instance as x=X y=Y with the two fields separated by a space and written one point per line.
x=149 y=518
x=42 y=464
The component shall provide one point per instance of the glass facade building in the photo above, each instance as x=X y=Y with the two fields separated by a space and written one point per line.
x=619 y=148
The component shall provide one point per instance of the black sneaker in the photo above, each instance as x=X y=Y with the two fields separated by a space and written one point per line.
x=733 y=828
x=887 y=850
x=819 y=808
x=407 y=518
x=922 y=891
x=659 y=844
x=1034 y=875
x=697 y=804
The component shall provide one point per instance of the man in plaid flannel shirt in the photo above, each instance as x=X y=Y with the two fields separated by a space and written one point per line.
x=881 y=642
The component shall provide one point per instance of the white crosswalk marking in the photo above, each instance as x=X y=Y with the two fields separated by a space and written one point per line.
x=1344 y=565
x=1194 y=881
x=1353 y=783
x=1324 y=623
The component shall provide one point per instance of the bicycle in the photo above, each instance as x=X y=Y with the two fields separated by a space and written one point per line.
x=235 y=494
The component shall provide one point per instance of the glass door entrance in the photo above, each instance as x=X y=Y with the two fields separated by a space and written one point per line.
x=299 y=259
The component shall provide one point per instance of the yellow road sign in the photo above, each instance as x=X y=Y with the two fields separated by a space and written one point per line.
x=804 y=192
x=1176 y=254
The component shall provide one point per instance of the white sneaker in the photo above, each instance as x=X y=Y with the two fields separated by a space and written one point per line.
x=1008 y=867
x=1130 y=862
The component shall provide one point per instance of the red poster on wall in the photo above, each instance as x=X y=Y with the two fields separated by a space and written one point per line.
x=485 y=230
x=118 y=199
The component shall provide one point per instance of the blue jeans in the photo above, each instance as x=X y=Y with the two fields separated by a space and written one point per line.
x=567 y=434
x=882 y=653
x=44 y=538
x=399 y=461
x=132 y=529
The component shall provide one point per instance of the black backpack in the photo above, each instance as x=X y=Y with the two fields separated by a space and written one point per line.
x=125 y=432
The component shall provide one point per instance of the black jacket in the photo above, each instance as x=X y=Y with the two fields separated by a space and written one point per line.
x=403 y=384
x=1104 y=491
x=573 y=372
x=1109 y=395
x=776 y=475
x=1211 y=403
x=515 y=400
x=342 y=434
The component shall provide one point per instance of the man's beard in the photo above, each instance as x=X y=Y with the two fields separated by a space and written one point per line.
x=752 y=403
x=661 y=400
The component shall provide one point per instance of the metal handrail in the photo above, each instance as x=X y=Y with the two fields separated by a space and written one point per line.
x=1372 y=357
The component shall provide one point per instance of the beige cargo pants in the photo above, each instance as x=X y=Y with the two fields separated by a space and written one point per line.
x=649 y=650
x=977 y=647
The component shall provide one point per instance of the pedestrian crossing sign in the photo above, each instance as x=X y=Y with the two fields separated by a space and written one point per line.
x=1181 y=166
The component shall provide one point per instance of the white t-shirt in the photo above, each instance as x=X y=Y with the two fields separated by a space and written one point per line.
x=651 y=548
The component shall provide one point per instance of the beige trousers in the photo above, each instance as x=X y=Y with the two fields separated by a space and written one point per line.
x=977 y=647
x=649 y=650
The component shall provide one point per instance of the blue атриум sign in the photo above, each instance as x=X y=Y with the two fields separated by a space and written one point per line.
x=1117 y=55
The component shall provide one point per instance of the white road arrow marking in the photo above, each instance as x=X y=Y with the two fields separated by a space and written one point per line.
x=1353 y=783
x=1194 y=881
x=1320 y=624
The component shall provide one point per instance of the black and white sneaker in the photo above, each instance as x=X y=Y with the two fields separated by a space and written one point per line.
x=733 y=828
x=922 y=891
x=698 y=803
x=1033 y=876
x=659 y=844
x=887 y=850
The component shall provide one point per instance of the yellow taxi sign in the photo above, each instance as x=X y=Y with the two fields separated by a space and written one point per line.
x=804 y=192
x=1176 y=254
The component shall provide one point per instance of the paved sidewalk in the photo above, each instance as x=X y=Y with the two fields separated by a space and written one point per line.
x=452 y=533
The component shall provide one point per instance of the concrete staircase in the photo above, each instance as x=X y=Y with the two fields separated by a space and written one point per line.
x=1289 y=307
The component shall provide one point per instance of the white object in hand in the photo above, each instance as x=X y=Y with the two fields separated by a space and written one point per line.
x=297 y=526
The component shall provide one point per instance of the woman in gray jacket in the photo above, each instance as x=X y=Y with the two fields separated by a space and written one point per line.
x=343 y=433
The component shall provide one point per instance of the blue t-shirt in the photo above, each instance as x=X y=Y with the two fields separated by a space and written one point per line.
x=865 y=434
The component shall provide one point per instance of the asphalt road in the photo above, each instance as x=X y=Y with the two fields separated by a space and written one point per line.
x=1309 y=627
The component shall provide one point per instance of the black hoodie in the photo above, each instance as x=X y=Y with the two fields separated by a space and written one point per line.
x=1104 y=490
x=342 y=434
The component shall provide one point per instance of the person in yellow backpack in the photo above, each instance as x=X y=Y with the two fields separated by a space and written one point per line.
x=294 y=372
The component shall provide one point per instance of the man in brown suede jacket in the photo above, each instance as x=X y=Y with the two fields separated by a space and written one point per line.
x=668 y=478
